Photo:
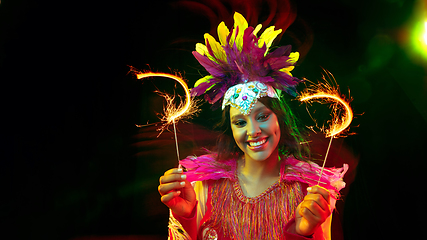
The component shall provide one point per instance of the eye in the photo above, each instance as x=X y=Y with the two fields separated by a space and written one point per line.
x=239 y=123
x=263 y=117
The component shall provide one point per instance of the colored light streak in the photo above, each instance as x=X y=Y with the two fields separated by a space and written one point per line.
x=418 y=31
x=419 y=39
x=172 y=113
x=425 y=33
x=326 y=93
x=339 y=124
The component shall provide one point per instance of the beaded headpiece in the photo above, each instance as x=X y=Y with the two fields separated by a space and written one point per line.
x=241 y=61
x=244 y=96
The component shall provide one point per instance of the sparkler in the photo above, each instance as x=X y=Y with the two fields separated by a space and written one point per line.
x=328 y=93
x=172 y=113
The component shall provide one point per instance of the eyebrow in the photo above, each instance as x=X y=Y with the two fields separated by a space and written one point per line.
x=237 y=116
x=260 y=109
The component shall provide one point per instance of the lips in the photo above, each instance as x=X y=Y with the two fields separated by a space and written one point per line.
x=257 y=144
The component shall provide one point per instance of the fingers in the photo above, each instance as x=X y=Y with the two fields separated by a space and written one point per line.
x=316 y=200
x=177 y=193
x=316 y=204
x=307 y=219
x=313 y=211
x=319 y=190
x=311 y=218
x=174 y=174
x=169 y=196
x=172 y=180
x=168 y=187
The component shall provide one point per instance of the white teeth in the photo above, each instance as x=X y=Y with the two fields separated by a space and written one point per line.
x=255 y=144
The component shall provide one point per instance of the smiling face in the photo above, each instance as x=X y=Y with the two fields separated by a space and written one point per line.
x=256 y=134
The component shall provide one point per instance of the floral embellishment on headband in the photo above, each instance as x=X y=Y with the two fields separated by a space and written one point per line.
x=247 y=95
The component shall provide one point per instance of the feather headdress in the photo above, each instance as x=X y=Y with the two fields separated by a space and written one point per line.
x=239 y=57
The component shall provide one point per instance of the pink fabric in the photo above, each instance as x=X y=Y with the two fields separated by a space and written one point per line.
x=309 y=173
x=207 y=168
x=189 y=224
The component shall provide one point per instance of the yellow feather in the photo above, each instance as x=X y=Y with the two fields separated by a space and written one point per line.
x=257 y=28
x=269 y=35
x=240 y=21
x=217 y=50
x=202 y=80
x=223 y=33
x=242 y=24
x=287 y=70
x=202 y=49
x=293 y=57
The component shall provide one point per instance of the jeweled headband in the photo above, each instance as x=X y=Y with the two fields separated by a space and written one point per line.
x=242 y=68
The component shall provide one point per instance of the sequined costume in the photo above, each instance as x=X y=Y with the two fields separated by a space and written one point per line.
x=224 y=212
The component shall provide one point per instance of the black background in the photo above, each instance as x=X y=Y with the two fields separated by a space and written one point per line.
x=73 y=164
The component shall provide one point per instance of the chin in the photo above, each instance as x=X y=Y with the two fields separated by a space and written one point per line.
x=260 y=156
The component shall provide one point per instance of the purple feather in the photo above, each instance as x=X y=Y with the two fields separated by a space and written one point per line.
x=247 y=64
x=201 y=88
x=281 y=51
x=212 y=67
x=276 y=64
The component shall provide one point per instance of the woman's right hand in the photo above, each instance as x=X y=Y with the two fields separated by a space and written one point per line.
x=177 y=193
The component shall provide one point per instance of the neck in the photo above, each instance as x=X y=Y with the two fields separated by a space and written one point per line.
x=257 y=170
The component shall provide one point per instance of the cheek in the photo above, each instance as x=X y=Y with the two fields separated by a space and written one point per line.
x=238 y=136
x=273 y=127
x=278 y=130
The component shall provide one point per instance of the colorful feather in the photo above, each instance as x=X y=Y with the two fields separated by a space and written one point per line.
x=241 y=56
x=206 y=167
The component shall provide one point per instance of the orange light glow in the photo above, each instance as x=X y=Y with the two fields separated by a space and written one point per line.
x=172 y=113
x=326 y=93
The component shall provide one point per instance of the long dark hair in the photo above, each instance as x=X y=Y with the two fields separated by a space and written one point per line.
x=291 y=138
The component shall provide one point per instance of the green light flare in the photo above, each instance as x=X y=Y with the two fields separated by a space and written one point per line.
x=425 y=33
x=419 y=32
x=419 y=39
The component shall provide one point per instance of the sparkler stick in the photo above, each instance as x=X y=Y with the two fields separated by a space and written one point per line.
x=324 y=161
x=172 y=113
x=330 y=94
x=176 y=142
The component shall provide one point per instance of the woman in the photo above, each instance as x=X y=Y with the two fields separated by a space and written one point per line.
x=253 y=187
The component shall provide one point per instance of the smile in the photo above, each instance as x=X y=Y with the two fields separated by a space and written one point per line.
x=255 y=144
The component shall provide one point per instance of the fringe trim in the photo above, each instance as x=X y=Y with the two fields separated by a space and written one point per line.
x=261 y=217
x=176 y=231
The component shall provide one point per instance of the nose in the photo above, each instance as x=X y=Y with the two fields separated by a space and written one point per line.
x=253 y=129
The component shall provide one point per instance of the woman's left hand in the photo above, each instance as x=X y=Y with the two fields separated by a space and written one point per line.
x=312 y=211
